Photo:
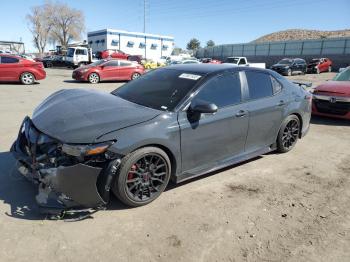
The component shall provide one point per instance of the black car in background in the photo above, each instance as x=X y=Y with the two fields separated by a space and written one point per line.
x=54 y=61
x=288 y=66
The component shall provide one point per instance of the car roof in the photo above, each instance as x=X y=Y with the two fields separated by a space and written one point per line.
x=210 y=68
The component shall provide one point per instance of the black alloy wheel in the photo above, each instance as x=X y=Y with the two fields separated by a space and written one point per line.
x=143 y=176
x=288 y=134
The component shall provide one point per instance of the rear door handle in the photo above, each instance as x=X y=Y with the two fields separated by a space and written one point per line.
x=241 y=113
x=281 y=103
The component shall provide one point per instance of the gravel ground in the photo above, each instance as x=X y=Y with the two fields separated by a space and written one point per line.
x=277 y=207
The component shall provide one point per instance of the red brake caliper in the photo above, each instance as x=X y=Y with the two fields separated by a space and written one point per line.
x=131 y=175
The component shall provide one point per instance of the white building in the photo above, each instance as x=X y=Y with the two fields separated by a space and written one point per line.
x=148 y=45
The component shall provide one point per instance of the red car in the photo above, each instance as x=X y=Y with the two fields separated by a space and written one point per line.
x=17 y=69
x=109 y=53
x=333 y=97
x=319 y=65
x=108 y=69
x=210 y=61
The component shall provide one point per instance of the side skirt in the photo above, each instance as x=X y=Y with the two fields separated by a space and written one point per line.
x=228 y=162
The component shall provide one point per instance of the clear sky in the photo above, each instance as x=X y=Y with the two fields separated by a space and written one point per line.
x=224 y=21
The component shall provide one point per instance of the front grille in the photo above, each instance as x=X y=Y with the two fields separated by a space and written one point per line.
x=337 y=108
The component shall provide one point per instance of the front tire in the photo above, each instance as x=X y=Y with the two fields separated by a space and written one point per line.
x=289 y=134
x=94 y=78
x=27 y=78
x=135 y=75
x=143 y=176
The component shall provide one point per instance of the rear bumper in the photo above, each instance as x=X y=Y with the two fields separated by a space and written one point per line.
x=41 y=74
x=282 y=71
x=60 y=187
x=311 y=70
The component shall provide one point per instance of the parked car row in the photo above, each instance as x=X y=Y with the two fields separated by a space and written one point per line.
x=289 y=66
x=18 y=69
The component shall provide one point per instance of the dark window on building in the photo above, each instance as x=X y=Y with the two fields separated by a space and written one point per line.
x=8 y=60
x=259 y=84
x=224 y=90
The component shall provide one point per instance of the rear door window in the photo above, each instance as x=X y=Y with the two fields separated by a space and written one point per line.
x=224 y=90
x=112 y=63
x=8 y=60
x=124 y=63
x=259 y=84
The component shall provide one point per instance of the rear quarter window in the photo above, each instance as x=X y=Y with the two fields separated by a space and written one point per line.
x=259 y=84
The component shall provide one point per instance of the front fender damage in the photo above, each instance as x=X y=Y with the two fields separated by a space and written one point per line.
x=66 y=185
x=77 y=185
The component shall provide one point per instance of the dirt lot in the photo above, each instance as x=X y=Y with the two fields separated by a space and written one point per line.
x=287 y=207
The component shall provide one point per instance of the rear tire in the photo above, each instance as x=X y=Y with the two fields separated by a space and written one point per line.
x=27 y=78
x=289 y=134
x=143 y=176
x=94 y=78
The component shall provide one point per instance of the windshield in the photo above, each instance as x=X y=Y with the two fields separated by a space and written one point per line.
x=343 y=75
x=286 y=61
x=160 y=89
x=232 y=60
x=70 y=52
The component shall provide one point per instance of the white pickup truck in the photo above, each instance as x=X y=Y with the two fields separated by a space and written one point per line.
x=79 y=56
x=242 y=61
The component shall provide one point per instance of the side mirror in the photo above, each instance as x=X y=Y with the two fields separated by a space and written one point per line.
x=203 y=107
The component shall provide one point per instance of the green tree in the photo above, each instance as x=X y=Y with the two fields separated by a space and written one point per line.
x=193 y=44
x=210 y=43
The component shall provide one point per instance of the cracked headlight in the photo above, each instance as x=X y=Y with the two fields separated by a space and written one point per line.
x=86 y=150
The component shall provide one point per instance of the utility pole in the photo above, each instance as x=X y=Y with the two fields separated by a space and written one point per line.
x=144 y=16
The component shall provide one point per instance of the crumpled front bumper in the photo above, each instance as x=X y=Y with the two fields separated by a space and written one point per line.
x=60 y=187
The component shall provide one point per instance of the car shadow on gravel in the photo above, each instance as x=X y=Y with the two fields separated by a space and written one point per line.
x=318 y=120
x=18 y=83
x=19 y=193
x=16 y=191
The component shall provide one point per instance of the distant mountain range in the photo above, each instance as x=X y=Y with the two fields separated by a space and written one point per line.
x=301 y=34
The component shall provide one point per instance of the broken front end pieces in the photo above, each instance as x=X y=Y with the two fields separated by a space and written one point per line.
x=70 y=176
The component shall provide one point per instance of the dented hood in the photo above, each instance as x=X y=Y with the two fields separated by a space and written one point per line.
x=81 y=116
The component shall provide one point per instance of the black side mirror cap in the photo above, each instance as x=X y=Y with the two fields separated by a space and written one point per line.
x=203 y=107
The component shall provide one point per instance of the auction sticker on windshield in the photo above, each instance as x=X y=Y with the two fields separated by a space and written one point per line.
x=189 y=76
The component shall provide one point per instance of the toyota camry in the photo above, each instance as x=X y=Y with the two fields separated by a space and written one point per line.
x=173 y=123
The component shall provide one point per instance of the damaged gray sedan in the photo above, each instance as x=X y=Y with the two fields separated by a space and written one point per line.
x=172 y=123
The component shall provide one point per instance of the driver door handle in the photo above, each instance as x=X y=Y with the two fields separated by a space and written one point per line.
x=241 y=113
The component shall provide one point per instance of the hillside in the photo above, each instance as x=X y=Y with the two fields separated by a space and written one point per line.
x=301 y=34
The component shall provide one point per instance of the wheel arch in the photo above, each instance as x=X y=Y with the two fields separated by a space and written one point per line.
x=27 y=71
x=169 y=153
x=301 y=122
